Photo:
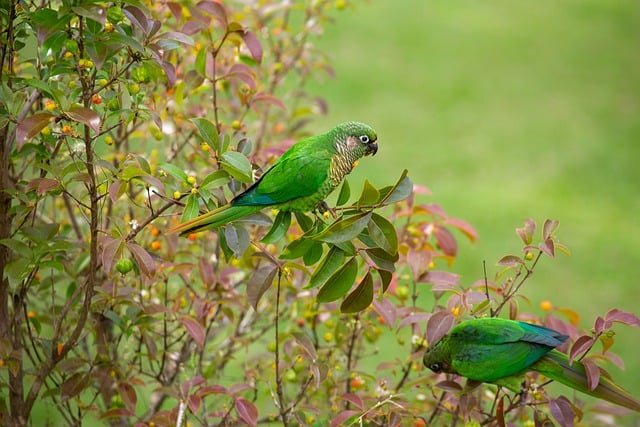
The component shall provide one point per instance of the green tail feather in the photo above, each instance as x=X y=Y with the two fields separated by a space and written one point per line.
x=214 y=219
x=555 y=365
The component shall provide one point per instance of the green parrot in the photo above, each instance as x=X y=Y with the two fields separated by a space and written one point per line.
x=501 y=351
x=300 y=179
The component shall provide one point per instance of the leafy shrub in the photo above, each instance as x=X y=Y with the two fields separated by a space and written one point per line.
x=114 y=118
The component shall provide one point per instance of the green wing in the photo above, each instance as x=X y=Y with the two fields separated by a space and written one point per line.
x=300 y=172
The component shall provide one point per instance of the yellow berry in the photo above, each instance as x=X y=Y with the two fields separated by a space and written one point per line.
x=108 y=140
x=177 y=194
x=108 y=27
x=46 y=131
x=546 y=305
x=194 y=190
x=236 y=125
x=134 y=88
x=328 y=336
x=191 y=179
x=205 y=147
x=49 y=105
x=68 y=55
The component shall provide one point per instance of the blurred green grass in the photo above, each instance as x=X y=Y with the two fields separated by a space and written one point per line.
x=508 y=110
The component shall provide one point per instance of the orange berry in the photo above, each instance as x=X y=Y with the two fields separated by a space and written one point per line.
x=156 y=245
x=419 y=423
x=96 y=99
x=154 y=231
x=192 y=236
x=60 y=348
x=546 y=305
x=66 y=129
x=300 y=322
x=356 y=383
x=381 y=320
x=31 y=314
x=1 y=363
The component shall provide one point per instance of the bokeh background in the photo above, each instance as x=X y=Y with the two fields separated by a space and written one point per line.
x=507 y=110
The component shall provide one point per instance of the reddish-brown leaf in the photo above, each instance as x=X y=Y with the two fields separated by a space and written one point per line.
x=110 y=248
x=464 y=227
x=214 y=8
x=128 y=395
x=145 y=262
x=548 y=228
x=259 y=283
x=592 y=371
x=253 y=44
x=342 y=417
x=195 y=329
x=562 y=410
x=450 y=386
x=438 y=325
x=137 y=17
x=581 y=346
x=86 y=116
x=616 y=315
x=354 y=399
x=510 y=261
x=74 y=386
x=527 y=231
x=29 y=127
x=247 y=411
x=43 y=185
x=305 y=342
x=418 y=261
x=548 y=247
x=446 y=241
x=441 y=278
x=269 y=99
x=194 y=401
x=119 y=412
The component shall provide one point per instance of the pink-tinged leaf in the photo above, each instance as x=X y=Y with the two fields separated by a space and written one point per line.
x=178 y=37
x=94 y=12
x=145 y=262
x=446 y=241
x=194 y=401
x=176 y=10
x=464 y=227
x=214 y=8
x=259 y=283
x=137 y=18
x=600 y=325
x=581 y=346
x=342 y=417
x=418 y=261
x=592 y=371
x=548 y=228
x=114 y=191
x=510 y=261
x=387 y=310
x=73 y=386
x=305 y=342
x=616 y=315
x=438 y=325
x=320 y=372
x=195 y=329
x=43 y=185
x=169 y=72
x=31 y=126
x=562 y=410
x=128 y=395
x=615 y=359
x=253 y=44
x=354 y=399
x=211 y=389
x=527 y=231
x=86 y=116
x=548 y=248
x=450 y=386
x=247 y=411
x=191 y=383
x=419 y=318
x=269 y=99
x=440 y=278
x=110 y=248
x=117 y=413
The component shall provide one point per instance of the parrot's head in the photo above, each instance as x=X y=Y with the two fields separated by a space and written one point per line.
x=357 y=137
x=438 y=358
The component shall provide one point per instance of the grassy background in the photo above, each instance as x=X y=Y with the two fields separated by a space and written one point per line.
x=508 y=110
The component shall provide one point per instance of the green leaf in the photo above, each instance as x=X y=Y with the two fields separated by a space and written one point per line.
x=297 y=248
x=339 y=283
x=214 y=180
x=237 y=165
x=344 y=229
x=208 y=132
x=385 y=279
x=281 y=225
x=331 y=262
x=174 y=171
x=313 y=255
x=192 y=208
x=237 y=238
x=382 y=259
x=345 y=193
x=360 y=298
x=304 y=221
x=400 y=190
x=369 y=194
x=201 y=62
x=383 y=233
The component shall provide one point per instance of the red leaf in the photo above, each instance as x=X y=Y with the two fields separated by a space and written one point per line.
x=247 y=411
x=418 y=261
x=548 y=247
x=441 y=278
x=510 y=261
x=269 y=99
x=43 y=185
x=195 y=329
x=527 y=231
x=592 y=371
x=194 y=401
x=438 y=325
x=120 y=412
x=128 y=395
x=581 y=346
x=446 y=241
x=355 y=399
x=616 y=315
x=464 y=227
x=450 y=386
x=215 y=9
x=305 y=342
x=548 y=228
x=29 y=127
x=253 y=45
x=110 y=248
x=562 y=411
x=143 y=259
x=343 y=416
x=86 y=116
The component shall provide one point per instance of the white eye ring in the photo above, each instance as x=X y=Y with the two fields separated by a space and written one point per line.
x=364 y=138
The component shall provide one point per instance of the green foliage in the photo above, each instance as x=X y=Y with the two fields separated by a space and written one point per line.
x=114 y=119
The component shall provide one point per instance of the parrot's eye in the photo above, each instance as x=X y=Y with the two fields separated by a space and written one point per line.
x=364 y=139
x=435 y=367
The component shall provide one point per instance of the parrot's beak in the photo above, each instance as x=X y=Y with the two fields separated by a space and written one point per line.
x=372 y=148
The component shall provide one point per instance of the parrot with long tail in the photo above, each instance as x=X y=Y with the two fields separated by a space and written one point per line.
x=501 y=351
x=299 y=180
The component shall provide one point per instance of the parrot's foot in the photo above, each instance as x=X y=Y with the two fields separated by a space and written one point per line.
x=324 y=208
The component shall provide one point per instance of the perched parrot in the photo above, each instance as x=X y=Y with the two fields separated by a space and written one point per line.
x=300 y=179
x=501 y=351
